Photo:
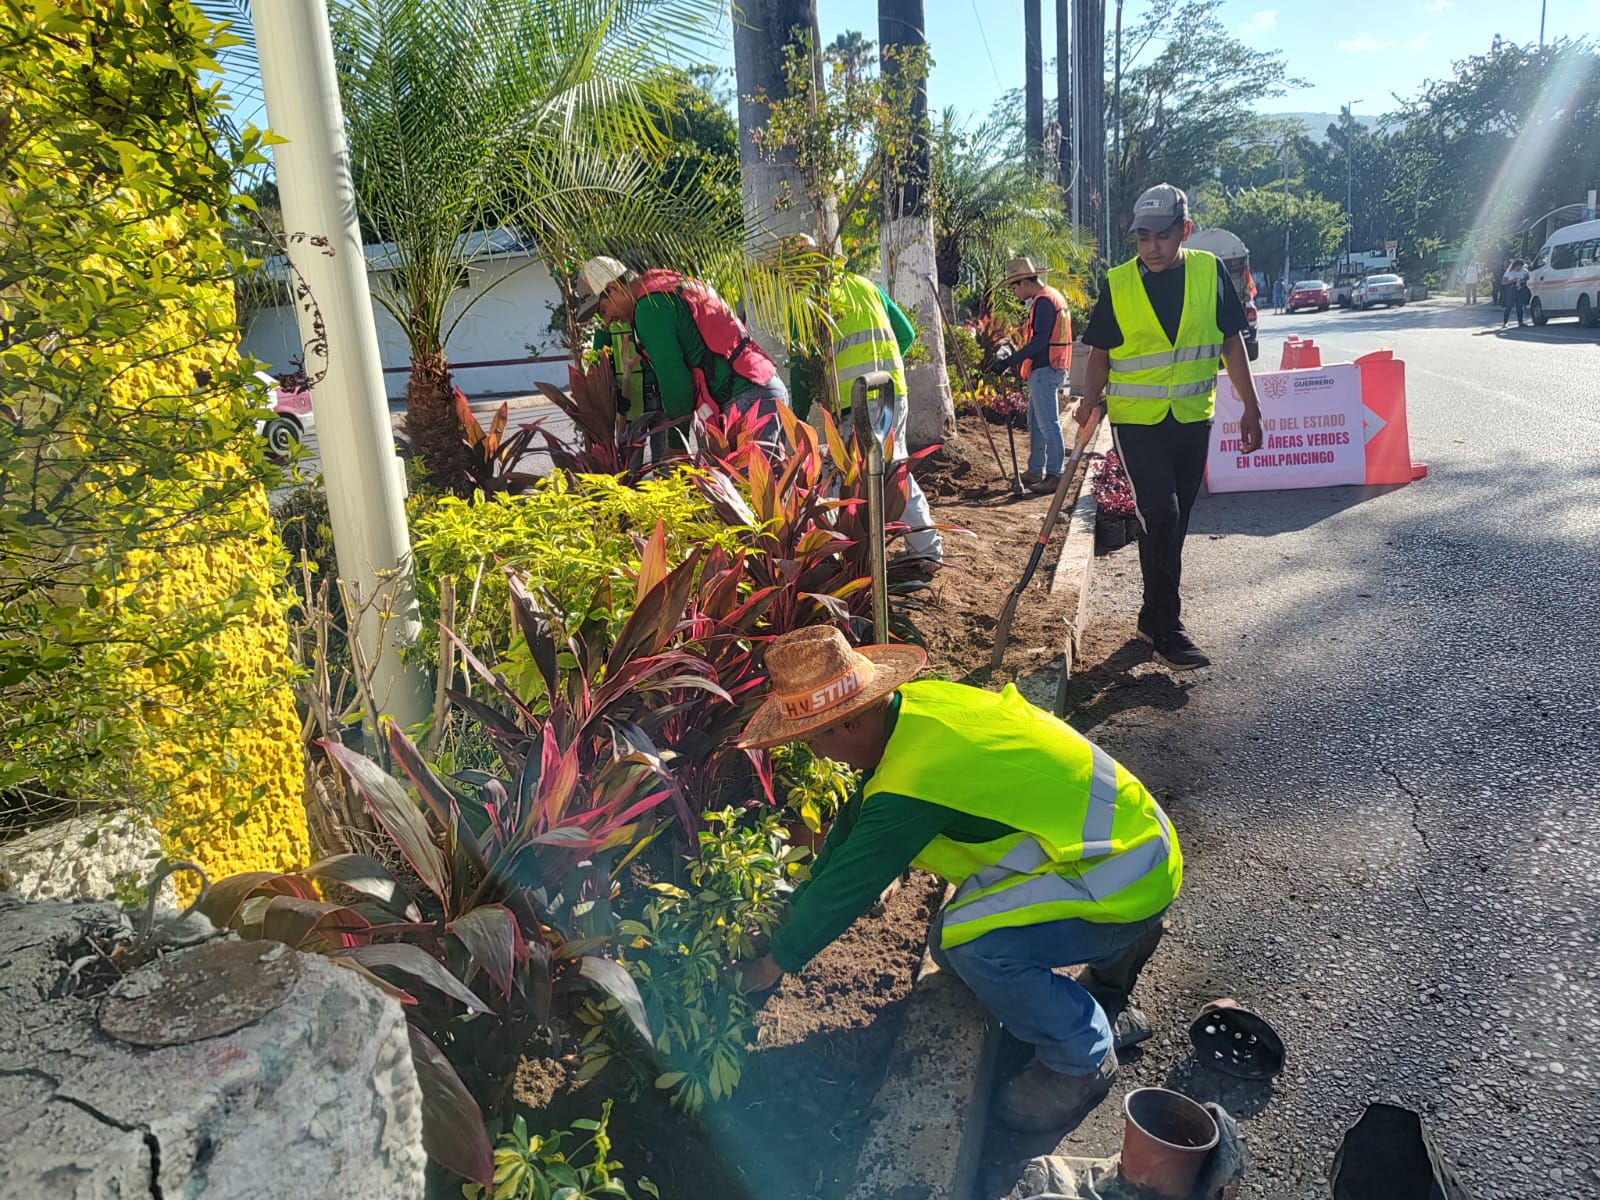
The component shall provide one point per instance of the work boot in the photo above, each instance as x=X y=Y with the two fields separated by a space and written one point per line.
x=1047 y=485
x=1130 y=1028
x=1029 y=478
x=1177 y=652
x=1040 y=1100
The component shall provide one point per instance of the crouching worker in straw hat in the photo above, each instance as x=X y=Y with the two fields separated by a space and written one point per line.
x=1059 y=856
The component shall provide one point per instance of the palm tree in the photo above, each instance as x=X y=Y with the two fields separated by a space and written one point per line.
x=989 y=208
x=446 y=103
x=853 y=52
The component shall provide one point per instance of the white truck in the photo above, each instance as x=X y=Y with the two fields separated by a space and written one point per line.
x=1235 y=258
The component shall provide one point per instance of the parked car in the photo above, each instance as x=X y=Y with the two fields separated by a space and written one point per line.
x=1387 y=290
x=1565 y=276
x=1308 y=293
x=291 y=415
x=1342 y=288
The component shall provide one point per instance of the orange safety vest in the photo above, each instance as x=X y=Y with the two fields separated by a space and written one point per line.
x=1060 y=336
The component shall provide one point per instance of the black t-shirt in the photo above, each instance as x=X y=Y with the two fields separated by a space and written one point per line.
x=1165 y=289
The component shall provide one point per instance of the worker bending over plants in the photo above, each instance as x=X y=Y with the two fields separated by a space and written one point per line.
x=1059 y=856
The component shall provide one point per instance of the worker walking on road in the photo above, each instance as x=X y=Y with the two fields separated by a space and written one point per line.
x=871 y=333
x=1162 y=320
x=1041 y=363
x=1059 y=855
x=701 y=354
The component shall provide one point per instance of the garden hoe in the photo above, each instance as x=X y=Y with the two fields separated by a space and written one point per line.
x=1003 y=630
x=966 y=382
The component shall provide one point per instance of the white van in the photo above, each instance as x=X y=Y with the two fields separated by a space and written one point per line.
x=1565 y=277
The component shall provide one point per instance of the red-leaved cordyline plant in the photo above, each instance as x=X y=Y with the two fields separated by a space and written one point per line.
x=603 y=448
x=514 y=882
x=490 y=458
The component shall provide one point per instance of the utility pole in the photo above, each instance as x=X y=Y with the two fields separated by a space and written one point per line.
x=1283 y=151
x=1066 y=117
x=1542 y=5
x=1033 y=82
x=1114 y=177
x=1089 y=47
x=366 y=488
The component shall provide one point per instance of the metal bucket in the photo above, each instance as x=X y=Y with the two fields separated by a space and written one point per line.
x=1166 y=1139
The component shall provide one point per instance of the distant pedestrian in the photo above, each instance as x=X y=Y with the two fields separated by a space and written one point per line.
x=1280 y=296
x=1469 y=277
x=1042 y=363
x=1513 y=292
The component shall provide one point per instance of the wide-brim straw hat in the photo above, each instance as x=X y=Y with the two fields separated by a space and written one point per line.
x=1020 y=268
x=818 y=679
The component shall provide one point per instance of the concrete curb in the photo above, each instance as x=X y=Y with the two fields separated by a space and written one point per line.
x=1075 y=566
x=931 y=1111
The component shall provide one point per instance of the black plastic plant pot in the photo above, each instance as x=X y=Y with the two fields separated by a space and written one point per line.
x=1236 y=1042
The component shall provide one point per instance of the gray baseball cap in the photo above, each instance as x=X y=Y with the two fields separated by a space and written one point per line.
x=1159 y=208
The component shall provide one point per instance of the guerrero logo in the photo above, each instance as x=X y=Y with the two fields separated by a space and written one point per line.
x=1274 y=387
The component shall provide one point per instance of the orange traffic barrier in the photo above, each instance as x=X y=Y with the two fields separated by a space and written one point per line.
x=1291 y=353
x=1310 y=354
x=1383 y=391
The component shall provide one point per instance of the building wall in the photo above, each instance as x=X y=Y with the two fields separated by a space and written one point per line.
x=517 y=298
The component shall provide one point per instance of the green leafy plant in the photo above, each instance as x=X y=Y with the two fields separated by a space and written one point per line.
x=511 y=875
x=683 y=951
x=576 y=542
x=813 y=788
x=539 y=1168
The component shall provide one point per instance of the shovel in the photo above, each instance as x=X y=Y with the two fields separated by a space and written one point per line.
x=1003 y=630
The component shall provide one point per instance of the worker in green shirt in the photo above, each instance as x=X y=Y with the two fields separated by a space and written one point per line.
x=703 y=357
x=1059 y=855
x=870 y=333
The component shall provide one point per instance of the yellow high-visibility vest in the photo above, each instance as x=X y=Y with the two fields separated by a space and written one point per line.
x=1151 y=375
x=864 y=341
x=1091 y=841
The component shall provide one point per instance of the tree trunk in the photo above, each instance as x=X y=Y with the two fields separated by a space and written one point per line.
x=909 y=245
x=1089 y=47
x=431 y=423
x=774 y=188
x=1033 y=81
x=1066 y=155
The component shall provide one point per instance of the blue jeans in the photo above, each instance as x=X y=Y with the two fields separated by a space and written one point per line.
x=1046 y=450
x=1010 y=971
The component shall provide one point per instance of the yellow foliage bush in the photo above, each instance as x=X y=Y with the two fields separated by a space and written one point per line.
x=143 y=643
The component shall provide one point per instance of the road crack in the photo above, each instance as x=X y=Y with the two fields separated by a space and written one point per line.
x=1416 y=805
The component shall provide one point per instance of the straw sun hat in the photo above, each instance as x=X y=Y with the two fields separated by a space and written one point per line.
x=818 y=679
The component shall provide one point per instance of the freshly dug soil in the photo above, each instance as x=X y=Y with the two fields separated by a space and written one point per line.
x=795 y=1126
x=957 y=615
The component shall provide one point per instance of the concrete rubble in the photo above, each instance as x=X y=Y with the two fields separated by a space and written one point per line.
x=312 y=1093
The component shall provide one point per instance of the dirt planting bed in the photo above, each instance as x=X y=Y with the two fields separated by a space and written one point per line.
x=956 y=617
x=795 y=1126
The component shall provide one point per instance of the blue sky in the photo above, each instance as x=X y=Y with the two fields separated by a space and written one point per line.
x=1345 y=49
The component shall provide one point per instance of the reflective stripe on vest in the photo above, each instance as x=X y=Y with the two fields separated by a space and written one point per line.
x=1152 y=375
x=864 y=340
x=1060 y=347
x=1091 y=842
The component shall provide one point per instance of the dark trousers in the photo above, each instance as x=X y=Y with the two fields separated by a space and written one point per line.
x=1166 y=464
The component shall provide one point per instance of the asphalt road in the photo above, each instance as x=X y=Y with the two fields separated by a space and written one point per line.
x=1386 y=785
x=521 y=410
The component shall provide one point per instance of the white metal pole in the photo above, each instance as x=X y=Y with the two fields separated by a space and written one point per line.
x=366 y=490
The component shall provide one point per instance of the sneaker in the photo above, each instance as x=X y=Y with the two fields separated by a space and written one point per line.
x=1040 y=1100
x=1177 y=652
x=1146 y=634
x=1047 y=485
x=1029 y=478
